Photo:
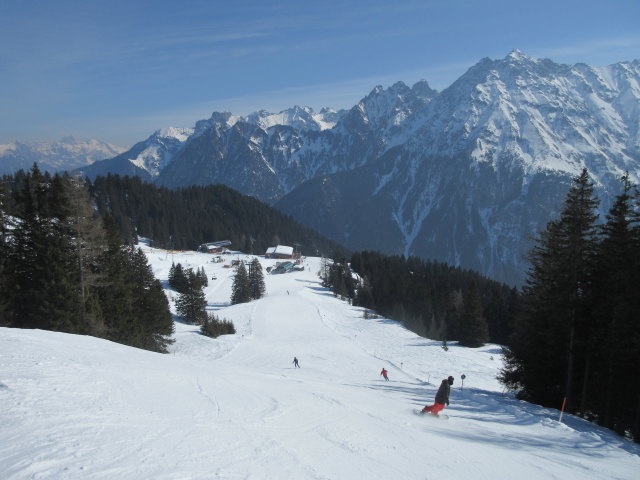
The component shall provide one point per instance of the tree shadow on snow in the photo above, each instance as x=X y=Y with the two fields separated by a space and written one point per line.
x=218 y=306
x=419 y=393
x=325 y=292
x=492 y=407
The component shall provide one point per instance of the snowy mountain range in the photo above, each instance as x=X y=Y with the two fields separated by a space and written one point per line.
x=467 y=175
x=67 y=154
x=75 y=407
x=485 y=165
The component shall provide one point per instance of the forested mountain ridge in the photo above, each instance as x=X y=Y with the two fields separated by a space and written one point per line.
x=188 y=217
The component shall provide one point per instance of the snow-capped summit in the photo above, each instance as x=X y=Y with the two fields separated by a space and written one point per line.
x=180 y=134
x=160 y=149
x=517 y=55
x=546 y=115
x=300 y=118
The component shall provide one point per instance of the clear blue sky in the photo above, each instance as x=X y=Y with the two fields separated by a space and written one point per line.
x=118 y=70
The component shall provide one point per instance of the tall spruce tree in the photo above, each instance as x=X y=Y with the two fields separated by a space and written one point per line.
x=151 y=308
x=133 y=304
x=341 y=280
x=614 y=390
x=256 y=280
x=191 y=304
x=546 y=358
x=241 y=289
x=202 y=275
x=364 y=294
x=178 y=278
x=44 y=276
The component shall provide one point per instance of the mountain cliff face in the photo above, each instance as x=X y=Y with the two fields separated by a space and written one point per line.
x=66 y=154
x=467 y=175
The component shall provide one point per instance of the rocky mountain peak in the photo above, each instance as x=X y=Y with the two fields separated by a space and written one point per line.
x=423 y=90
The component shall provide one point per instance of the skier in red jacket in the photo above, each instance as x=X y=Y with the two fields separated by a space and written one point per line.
x=442 y=397
x=384 y=374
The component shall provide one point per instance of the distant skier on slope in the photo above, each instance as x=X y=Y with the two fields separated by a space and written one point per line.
x=295 y=362
x=442 y=397
x=384 y=374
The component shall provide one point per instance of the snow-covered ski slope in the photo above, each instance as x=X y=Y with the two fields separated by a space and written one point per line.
x=76 y=407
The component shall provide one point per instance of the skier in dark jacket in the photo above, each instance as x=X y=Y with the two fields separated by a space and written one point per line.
x=295 y=362
x=442 y=397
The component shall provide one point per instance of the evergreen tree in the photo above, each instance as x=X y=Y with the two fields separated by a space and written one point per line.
x=178 y=279
x=117 y=299
x=151 y=307
x=474 y=329
x=44 y=276
x=240 y=290
x=172 y=275
x=202 y=275
x=546 y=349
x=364 y=295
x=614 y=390
x=256 y=280
x=133 y=304
x=324 y=271
x=341 y=280
x=191 y=305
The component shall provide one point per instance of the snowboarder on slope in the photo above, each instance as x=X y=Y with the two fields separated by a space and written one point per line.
x=442 y=397
x=295 y=362
x=384 y=374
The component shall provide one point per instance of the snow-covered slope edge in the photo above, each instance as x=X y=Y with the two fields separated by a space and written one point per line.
x=81 y=408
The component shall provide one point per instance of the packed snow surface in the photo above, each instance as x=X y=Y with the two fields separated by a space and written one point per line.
x=235 y=407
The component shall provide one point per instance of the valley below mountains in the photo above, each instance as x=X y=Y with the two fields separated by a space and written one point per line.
x=467 y=176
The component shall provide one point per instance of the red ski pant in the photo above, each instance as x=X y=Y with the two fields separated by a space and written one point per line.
x=435 y=408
